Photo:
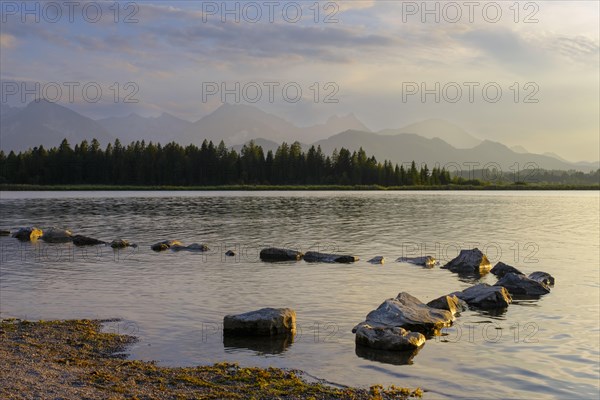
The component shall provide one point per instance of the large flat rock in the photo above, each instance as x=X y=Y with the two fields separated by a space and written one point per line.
x=408 y=312
x=485 y=296
x=522 y=286
x=263 y=322
x=276 y=254
x=314 y=256
x=388 y=337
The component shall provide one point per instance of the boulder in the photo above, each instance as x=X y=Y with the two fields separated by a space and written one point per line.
x=230 y=253
x=485 y=296
x=165 y=245
x=449 y=303
x=263 y=322
x=469 y=261
x=275 y=254
x=542 y=277
x=387 y=337
x=377 y=260
x=56 y=235
x=198 y=247
x=501 y=269
x=521 y=285
x=314 y=256
x=425 y=261
x=121 y=244
x=408 y=312
x=80 y=240
x=28 y=234
x=4 y=232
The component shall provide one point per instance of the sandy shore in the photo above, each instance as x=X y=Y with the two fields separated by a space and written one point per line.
x=74 y=360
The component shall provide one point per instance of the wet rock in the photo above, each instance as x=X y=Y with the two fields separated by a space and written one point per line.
x=521 y=285
x=377 y=260
x=263 y=322
x=542 y=277
x=197 y=247
x=485 y=296
x=80 y=240
x=230 y=253
x=275 y=254
x=425 y=261
x=449 y=303
x=387 y=337
x=28 y=234
x=4 y=232
x=408 y=312
x=469 y=261
x=501 y=269
x=121 y=244
x=57 y=235
x=314 y=256
x=165 y=245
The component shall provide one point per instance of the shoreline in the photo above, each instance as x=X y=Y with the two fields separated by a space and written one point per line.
x=452 y=187
x=75 y=359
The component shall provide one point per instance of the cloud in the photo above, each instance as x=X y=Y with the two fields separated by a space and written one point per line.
x=7 y=41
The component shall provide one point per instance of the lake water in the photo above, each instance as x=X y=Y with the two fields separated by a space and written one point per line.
x=175 y=301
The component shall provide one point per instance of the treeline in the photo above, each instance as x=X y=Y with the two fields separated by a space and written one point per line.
x=533 y=176
x=174 y=165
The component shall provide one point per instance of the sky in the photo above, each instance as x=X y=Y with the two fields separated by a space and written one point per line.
x=521 y=73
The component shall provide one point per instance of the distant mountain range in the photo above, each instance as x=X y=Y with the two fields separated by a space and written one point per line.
x=432 y=141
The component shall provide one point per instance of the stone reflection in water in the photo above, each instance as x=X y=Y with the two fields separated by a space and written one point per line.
x=260 y=344
x=387 y=357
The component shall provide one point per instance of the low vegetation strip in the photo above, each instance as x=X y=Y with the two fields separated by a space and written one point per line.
x=83 y=187
x=75 y=360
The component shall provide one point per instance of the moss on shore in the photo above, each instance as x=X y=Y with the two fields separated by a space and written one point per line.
x=74 y=359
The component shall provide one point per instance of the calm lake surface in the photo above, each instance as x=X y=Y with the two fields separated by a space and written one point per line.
x=175 y=301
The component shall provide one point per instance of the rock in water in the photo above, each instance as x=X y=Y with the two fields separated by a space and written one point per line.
x=80 y=240
x=469 y=261
x=230 y=253
x=501 y=269
x=449 y=303
x=263 y=322
x=165 y=245
x=56 y=235
x=198 y=247
x=121 y=244
x=28 y=234
x=314 y=256
x=275 y=254
x=377 y=260
x=426 y=261
x=485 y=296
x=408 y=312
x=388 y=337
x=542 y=277
x=521 y=285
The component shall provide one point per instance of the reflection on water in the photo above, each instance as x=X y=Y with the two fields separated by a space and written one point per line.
x=261 y=345
x=387 y=357
x=546 y=347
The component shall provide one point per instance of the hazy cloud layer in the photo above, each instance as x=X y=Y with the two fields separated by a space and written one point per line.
x=370 y=53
